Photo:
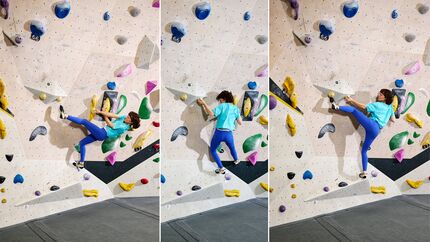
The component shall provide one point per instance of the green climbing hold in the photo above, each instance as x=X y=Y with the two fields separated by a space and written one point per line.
x=409 y=102
x=252 y=143
x=122 y=144
x=122 y=103
x=128 y=137
x=410 y=141
x=263 y=144
x=416 y=135
x=398 y=140
x=220 y=149
x=262 y=104
x=78 y=148
x=145 y=109
x=156 y=160
x=428 y=108
x=109 y=144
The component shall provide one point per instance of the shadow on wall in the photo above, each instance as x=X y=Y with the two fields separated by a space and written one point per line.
x=287 y=8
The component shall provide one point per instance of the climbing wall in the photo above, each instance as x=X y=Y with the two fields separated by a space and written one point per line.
x=364 y=54
x=74 y=59
x=221 y=52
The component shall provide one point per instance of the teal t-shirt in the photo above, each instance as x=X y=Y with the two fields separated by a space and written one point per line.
x=119 y=127
x=380 y=112
x=226 y=114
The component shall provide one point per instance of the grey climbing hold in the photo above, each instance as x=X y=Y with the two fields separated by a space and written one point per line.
x=409 y=37
x=121 y=39
x=134 y=12
x=182 y=130
x=87 y=176
x=342 y=184
x=40 y=130
x=196 y=187
x=261 y=39
x=2 y=179
x=9 y=157
x=18 y=39
x=54 y=188
x=299 y=154
x=423 y=9
x=291 y=175
x=326 y=128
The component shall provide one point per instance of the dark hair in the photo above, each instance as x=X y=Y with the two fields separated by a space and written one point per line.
x=226 y=95
x=388 y=95
x=135 y=120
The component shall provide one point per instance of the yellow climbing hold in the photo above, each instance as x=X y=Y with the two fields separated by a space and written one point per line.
x=126 y=187
x=395 y=103
x=291 y=125
x=414 y=184
x=106 y=105
x=293 y=186
x=413 y=119
x=424 y=143
x=3 y=190
x=266 y=187
x=3 y=100
x=91 y=193
x=272 y=168
x=4 y=200
x=263 y=120
x=380 y=189
x=93 y=105
x=184 y=97
x=289 y=85
x=330 y=94
x=2 y=130
x=293 y=196
x=247 y=107
x=59 y=99
x=232 y=193
x=141 y=139
x=294 y=101
x=235 y=100
x=42 y=96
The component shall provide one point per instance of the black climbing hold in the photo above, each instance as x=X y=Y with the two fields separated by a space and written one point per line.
x=9 y=157
x=2 y=179
x=291 y=175
x=196 y=187
x=182 y=130
x=342 y=184
x=54 y=188
x=299 y=154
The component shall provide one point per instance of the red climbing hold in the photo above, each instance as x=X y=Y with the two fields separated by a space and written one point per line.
x=156 y=146
x=156 y=124
x=144 y=181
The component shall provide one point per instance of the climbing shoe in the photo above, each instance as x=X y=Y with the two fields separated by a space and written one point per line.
x=220 y=171
x=236 y=162
x=62 y=113
x=79 y=164
x=362 y=175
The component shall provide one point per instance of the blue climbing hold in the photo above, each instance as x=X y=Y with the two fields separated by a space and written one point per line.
x=252 y=85
x=18 y=179
x=399 y=83
x=350 y=8
x=111 y=85
x=162 y=179
x=37 y=29
x=62 y=9
x=106 y=16
x=247 y=16
x=307 y=175
x=203 y=10
x=326 y=29
x=178 y=31
x=394 y=14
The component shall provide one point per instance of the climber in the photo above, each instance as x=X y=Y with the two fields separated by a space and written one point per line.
x=227 y=114
x=113 y=129
x=380 y=112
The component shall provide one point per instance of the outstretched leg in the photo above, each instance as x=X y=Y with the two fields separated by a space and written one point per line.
x=87 y=140
x=215 y=142
x=229 y=140
x=96 y=131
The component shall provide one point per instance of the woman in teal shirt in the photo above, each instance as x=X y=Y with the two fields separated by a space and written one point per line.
x=227 y=115
x=113 y=129
x=380 y=113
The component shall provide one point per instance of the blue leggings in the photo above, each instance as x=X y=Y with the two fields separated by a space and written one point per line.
x=222 y=136
x=96 y=133
x=371 y=127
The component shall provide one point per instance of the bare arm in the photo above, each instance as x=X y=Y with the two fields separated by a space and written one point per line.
x=239 y=120
x=107 y=114
x=355 y=103
x=205 y=106
x=108 y=122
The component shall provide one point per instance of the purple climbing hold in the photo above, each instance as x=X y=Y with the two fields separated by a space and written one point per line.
x=308 y=39
x=227 y=177
x=326 y=189
x=272 y=102
x=37 y=193
x=18 y=39
x=282 y=208
x=5 y=4
x=179 y=193
x=295 y=6
x=87 y=176
x=374 y=173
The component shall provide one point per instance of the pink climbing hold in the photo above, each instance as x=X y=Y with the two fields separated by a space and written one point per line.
x=125 y=71
x=262 y=71
x=111 y=158
x=150 y=85
x=413 y=68
x=399 y=155
x=253 y=157
x=156 y=4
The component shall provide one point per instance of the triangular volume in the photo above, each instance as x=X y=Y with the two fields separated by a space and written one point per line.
x=192 y=95
x=108 y=173
x=206 y=193
x=360 y=187
x=150 y=85
x=70 y=192
x=246 y=171
x=394 y=170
